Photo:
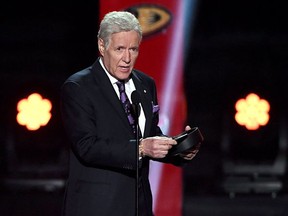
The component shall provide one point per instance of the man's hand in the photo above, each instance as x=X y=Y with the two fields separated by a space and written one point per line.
x=189 y=155
x=156 y=147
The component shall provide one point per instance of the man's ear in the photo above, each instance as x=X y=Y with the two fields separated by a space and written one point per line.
x=101 y=46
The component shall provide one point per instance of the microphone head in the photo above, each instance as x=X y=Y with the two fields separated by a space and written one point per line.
x=135 y=97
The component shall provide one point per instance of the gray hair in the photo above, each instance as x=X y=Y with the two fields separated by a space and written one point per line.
x=118 y=21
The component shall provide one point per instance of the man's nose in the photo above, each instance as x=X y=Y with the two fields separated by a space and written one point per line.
x=126 y=56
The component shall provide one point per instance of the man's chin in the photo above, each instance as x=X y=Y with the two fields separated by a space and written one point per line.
x=124 y=75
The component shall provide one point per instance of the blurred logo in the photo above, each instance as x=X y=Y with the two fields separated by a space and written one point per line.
x=152 y=18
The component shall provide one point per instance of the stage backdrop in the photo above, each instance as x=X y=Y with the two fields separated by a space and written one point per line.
x=161 y=56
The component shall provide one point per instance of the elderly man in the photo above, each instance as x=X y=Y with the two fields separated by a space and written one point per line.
x=100 y=124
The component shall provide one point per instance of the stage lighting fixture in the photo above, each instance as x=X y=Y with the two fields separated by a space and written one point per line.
x=252 y=111
x=33 y=111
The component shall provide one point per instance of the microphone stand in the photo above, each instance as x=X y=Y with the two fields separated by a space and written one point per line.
x=137 y=158
x=136 y=99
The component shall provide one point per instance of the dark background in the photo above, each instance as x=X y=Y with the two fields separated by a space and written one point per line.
x=235 y=47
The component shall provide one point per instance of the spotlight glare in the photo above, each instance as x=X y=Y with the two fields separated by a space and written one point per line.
x=33 y=111
x=252 y=112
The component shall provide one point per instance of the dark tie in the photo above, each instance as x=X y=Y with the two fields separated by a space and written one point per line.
x=126 y=104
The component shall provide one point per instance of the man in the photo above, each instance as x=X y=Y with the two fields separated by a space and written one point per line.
x=103 y=159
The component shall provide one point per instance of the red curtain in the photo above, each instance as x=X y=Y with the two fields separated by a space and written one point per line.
x=161 y=56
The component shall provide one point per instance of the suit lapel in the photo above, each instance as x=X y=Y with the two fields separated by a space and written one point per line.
x=146 y=101
x=108 y=92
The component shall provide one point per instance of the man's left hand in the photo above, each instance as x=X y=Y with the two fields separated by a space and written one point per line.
x=189 y=155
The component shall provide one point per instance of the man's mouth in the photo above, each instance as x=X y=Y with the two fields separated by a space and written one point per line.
x=124 y=68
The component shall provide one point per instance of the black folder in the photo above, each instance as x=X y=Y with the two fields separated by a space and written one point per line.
x=186 y=141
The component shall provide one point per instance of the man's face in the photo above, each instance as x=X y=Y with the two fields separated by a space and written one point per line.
x=121 y=54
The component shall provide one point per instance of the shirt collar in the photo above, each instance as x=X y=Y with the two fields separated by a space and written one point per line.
x=112 y=79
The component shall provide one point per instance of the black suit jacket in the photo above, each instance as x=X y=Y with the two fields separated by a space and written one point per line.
x=103 y=150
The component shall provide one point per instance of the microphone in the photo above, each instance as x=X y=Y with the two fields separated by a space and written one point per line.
x=136 y=100
x=135 y=97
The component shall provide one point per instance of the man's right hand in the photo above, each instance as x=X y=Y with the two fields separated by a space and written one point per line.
x=156 y=147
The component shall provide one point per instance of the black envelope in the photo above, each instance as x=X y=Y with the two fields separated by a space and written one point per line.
x=186 y=141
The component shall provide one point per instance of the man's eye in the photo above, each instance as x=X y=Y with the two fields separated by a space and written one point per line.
x=134 y=49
